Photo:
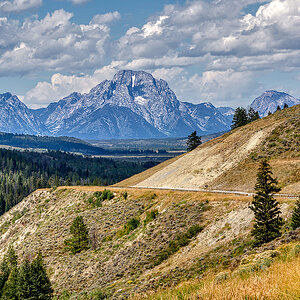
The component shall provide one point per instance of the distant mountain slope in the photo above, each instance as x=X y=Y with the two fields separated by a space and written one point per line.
x=228 y=112
x=66 y=144
x=269 y=101
x=15 y=117
x=133 y=105
x=230 y=162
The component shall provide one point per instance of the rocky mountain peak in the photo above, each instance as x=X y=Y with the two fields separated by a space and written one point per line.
x=270 y=100
x=15 y=117
x=5 y=96
x=133 y=78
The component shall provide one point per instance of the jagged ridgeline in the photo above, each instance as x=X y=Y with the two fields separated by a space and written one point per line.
x=23 y=172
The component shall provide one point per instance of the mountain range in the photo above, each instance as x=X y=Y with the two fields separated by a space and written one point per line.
x=132 y=105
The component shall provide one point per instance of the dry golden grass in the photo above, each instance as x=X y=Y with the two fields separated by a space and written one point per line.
x=163 y=194
x=280 y=281
x=243 y=176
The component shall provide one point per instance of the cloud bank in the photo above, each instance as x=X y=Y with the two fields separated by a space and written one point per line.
x=207 y=50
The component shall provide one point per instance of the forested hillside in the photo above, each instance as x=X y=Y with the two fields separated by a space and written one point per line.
x=23 y=172
x=67 y=144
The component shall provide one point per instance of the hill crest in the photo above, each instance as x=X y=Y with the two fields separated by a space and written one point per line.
x=230 y=162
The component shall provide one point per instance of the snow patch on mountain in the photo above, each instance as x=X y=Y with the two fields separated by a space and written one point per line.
x=140 y=100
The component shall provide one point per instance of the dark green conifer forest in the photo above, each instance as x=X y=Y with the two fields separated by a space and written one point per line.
x=23 y=172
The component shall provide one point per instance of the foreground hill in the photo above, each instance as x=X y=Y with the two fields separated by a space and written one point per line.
x=180 y=236
x=230 y=162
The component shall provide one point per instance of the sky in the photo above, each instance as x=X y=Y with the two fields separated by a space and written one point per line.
x=226 y=52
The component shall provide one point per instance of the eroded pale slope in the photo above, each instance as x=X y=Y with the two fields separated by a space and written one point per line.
x=230 y=162
x=201 y=166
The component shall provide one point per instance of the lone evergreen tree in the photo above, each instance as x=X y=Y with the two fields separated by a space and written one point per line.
x=266 y=209
x=295 y=222
x=285 y=106
x=278 y=108
x=193 y=141
x=240 y=118
x=80 y=239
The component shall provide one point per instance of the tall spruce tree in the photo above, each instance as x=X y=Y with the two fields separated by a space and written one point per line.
x=193 y=141
x=11 y=287
x=41 y=285
x=295 y=222
x=80 y=238
x=266 y=209
x=24 y=283
x=4 y=274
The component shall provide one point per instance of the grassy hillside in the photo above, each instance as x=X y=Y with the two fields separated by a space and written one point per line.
x=181 y=236
x=271 y=274
x=230 y=162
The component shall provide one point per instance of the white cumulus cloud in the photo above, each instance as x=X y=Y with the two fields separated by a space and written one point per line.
x=106 y=18
x=16 y=6
x=53 y=43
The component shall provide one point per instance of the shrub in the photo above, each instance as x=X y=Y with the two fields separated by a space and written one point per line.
x=150 y=216
x=131 y=225
x=180 y=241
x=99 y=197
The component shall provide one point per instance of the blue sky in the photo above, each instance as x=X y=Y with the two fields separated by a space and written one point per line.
x=224 y=51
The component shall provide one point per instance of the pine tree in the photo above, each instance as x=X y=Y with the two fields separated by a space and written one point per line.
x=240 y=118
x=295 y=222
x=11 y=287
x=285 y=106
x=278 y=108
x=252 y=115
x=4 y=274
x=24 y=282
x=41 y=285
x=193 y=141
x=266 y=209
x=80 y=239
x=11 y=257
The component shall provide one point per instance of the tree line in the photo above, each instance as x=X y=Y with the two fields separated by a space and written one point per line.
x=23 y=172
